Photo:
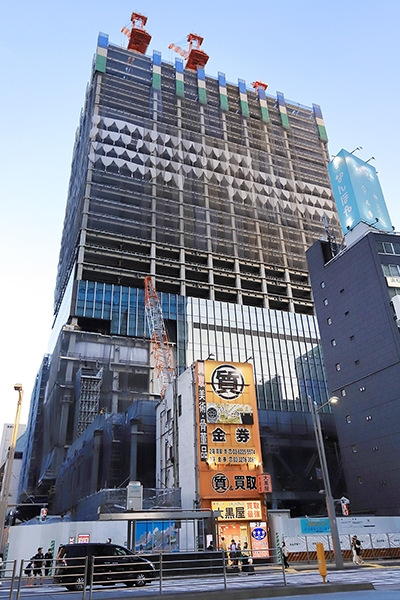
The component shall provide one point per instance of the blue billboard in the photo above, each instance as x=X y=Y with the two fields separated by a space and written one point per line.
x=318 y=525
x=358 y=193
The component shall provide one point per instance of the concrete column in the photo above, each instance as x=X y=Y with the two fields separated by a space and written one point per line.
x=97 y=438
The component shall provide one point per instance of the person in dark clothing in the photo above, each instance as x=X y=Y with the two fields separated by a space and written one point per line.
x=48 y=562
x=38 y=561
x=285 y=555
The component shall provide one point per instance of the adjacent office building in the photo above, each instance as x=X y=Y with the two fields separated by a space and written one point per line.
x=357 y=299
x=216 y=190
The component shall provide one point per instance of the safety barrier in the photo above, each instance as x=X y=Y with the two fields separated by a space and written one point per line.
x=375 y=546
x=165 y=572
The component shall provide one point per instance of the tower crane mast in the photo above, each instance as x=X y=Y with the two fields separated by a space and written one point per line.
x=159 y=339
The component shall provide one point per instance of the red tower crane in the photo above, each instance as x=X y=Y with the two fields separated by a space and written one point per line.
x=139 y=39
x=159 y=340
x=194 y=56
x=259 y=84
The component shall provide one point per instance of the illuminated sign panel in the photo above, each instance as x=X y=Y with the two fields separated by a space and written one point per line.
x=358 y=193
x=228 y=433
x=238 y=510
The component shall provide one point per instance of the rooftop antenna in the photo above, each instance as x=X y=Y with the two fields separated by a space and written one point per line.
x=334 y=246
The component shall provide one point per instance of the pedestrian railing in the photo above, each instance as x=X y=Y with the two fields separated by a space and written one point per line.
x=8 y=574
x=164 y=572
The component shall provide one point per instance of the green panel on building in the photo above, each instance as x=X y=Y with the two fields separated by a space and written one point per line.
x=202 y=96
x=322 y=133
x=285 y=121
x=223 y=101
x=101 y=63
x=157 y=81
x=180 y=89
x=265 y=114
x=244 y=108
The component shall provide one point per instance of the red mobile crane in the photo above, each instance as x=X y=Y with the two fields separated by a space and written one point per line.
x=159 y=339
x=194 y=56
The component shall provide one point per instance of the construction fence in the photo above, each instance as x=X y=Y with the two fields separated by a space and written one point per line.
x=375 y=546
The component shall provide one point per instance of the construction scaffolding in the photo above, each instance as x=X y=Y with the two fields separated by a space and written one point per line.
x=88 y=386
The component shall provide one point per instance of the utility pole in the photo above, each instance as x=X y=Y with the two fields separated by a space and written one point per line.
x=330 y=506
x=5 y=489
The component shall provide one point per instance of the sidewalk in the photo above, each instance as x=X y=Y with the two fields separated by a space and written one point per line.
x=267 y=592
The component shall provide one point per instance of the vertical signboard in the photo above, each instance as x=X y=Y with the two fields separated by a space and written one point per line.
x=358 y=193
x=228 y=433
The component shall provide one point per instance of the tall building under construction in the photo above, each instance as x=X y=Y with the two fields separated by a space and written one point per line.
x=216 y=190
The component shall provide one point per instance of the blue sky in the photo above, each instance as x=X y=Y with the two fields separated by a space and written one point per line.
x=343 y=55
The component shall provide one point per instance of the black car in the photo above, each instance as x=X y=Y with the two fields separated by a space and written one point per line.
x=111 y=564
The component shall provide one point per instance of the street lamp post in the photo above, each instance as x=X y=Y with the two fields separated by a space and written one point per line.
x=5 y=489
x=315 y=410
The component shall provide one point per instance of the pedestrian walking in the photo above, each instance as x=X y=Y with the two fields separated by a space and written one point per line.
x=245 y=557
x=223 y=545
x=285 y=555
x=38 y=561
x=356 y=549
x=48 y=562
x=233 y=553
x=28 y=572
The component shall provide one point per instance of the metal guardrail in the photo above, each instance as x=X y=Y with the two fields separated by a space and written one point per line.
x=164 y=571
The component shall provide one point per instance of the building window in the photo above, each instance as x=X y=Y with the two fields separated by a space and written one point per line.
x=343 y=392
x=322 y=284
x=354 y=448
x=388 y=248
x=359 y=480
x=337 y=366
x=348 y=419
x=333 y=342
x=368 y=418
x=356 y=362
x=180 y=406
x=346 y=314
x=169 y=413
x=362 y=389
x=329 y=321
x=326 y=301
x=391 y=270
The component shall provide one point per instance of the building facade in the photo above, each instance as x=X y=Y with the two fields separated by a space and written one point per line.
x=216 y=191
x=358 y=306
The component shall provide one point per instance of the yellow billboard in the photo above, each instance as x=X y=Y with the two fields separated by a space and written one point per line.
x=228 y=432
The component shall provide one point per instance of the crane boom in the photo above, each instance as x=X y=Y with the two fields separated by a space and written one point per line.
x=159 y=339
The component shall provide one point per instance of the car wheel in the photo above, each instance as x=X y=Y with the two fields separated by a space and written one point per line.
x=79 y=583
x=140 y=579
